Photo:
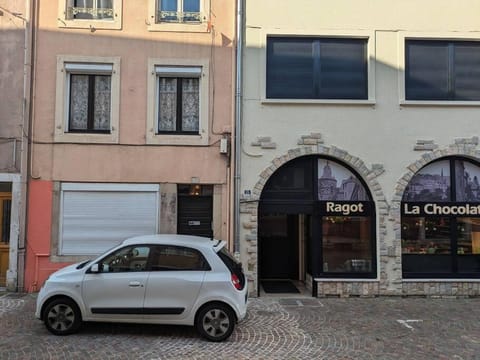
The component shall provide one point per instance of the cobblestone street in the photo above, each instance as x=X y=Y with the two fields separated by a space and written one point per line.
x=275 y=328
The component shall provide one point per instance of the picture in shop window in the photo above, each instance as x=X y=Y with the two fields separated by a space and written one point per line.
x=347 y=239
x=441 y=220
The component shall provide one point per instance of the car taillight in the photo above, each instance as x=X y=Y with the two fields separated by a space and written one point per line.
x=236 y=282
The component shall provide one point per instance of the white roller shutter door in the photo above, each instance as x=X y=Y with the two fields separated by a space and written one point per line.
x=96 y=218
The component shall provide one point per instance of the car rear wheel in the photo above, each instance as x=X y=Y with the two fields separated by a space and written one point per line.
x=62 y=317
x=215 y=322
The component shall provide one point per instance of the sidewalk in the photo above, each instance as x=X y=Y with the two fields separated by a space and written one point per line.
x=275 y=328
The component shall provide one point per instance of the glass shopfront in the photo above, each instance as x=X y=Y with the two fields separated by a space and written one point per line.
x=324 y=220
x=441 y=221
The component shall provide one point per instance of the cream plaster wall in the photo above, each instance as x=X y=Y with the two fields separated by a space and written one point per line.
x=380 y=132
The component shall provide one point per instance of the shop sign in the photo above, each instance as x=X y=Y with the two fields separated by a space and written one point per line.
x=344 y=208
x=441 y=209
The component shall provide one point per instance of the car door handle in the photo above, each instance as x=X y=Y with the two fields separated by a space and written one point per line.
x=135 y=284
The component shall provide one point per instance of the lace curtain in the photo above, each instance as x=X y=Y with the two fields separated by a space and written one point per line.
x=167 y=108
x=79 y=106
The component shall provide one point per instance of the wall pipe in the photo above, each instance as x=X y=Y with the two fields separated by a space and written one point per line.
x=238 y=125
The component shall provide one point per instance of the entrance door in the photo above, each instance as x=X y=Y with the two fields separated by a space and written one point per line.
x=195 y=209
x=279 y=246
x=5 y=206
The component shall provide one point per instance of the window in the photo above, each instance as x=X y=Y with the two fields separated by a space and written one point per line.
x=127 y=259
x=178 y=92
x=442 y=70
x=316 y=68
x=178 y=103
x=440 y=221
x=95 y=217
x=179 y=11
x=87 y=100
x=179 y=15
x=177 y=258
x=102 y=14
x=89 y=97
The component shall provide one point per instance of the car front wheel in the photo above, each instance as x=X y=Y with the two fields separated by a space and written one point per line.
x=215 y=322
x=62 y=317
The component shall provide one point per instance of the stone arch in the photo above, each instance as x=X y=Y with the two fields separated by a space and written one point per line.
x=466 y=148
x=249 y=206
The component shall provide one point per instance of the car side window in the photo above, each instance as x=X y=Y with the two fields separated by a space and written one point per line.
x=177 y=258
x=127 y=259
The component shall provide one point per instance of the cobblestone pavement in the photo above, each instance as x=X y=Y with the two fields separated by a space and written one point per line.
x=275 y=328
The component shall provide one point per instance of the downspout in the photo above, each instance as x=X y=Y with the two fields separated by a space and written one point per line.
x=238 y=126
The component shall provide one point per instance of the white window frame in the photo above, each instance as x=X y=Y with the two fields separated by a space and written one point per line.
x=357 y=34
x=203 y=26
x=67 y=65
x=116 y=23
x=403 y=36
x=177 y=67
x=101 y=187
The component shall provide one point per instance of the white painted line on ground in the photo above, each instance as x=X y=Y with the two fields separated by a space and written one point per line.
x=405 y=323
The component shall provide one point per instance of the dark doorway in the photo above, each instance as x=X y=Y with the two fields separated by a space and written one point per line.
x=195 y=209
x=279 y=246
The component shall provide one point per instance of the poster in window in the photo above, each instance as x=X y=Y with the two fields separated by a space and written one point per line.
x=467 y=187
x=432 y=183
x=335 y=182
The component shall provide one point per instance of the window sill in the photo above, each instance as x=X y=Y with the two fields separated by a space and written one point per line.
x=176 y=139
x=317 y=102
x=424 y=280
x=86 y=138
x=180 y=27
x=90 y=24
x=376 y=279
x=438 y=103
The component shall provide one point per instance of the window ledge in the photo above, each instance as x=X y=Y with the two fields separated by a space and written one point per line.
x=318 y=102
x=438 y=103
x=87 y=138
x=180 y=27
x=176 y=139
x=90 y=24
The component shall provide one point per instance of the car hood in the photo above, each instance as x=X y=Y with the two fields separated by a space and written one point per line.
x=70 y=269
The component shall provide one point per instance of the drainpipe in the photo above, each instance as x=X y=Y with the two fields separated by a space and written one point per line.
x=238 y=126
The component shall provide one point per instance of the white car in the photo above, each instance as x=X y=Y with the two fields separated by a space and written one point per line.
x=155 y=279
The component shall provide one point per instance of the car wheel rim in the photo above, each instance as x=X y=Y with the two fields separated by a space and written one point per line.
x=216 y=323
x=61 y=317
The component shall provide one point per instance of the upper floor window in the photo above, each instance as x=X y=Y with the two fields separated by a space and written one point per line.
x=179 y=15
x=316 y=68
x=178 y=93
x=102 y=14
x=179 y=11
x=178 y=99
x=442 y=70
x=87 y=99
x=90 y=9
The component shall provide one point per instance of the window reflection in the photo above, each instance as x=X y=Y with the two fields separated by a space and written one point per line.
x=426 y=236
x=346 y=244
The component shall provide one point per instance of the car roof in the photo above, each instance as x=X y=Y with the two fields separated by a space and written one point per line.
x=175 y=239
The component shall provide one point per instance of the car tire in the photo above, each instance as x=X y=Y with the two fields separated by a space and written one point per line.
x=62 y=317
x=215 y=322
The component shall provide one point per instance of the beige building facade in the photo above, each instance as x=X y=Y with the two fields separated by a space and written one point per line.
x=360 y=152
x=131 y=125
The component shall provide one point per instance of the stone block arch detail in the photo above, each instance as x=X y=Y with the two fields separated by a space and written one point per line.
x=466 y=149
x=249 y=208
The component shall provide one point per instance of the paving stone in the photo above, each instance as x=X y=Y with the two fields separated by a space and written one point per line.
x=275 y=328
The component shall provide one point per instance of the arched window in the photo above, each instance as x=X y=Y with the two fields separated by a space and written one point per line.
x=441 y=221
x=316 y=216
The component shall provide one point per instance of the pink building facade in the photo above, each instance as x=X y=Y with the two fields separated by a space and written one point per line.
x=131 y=126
